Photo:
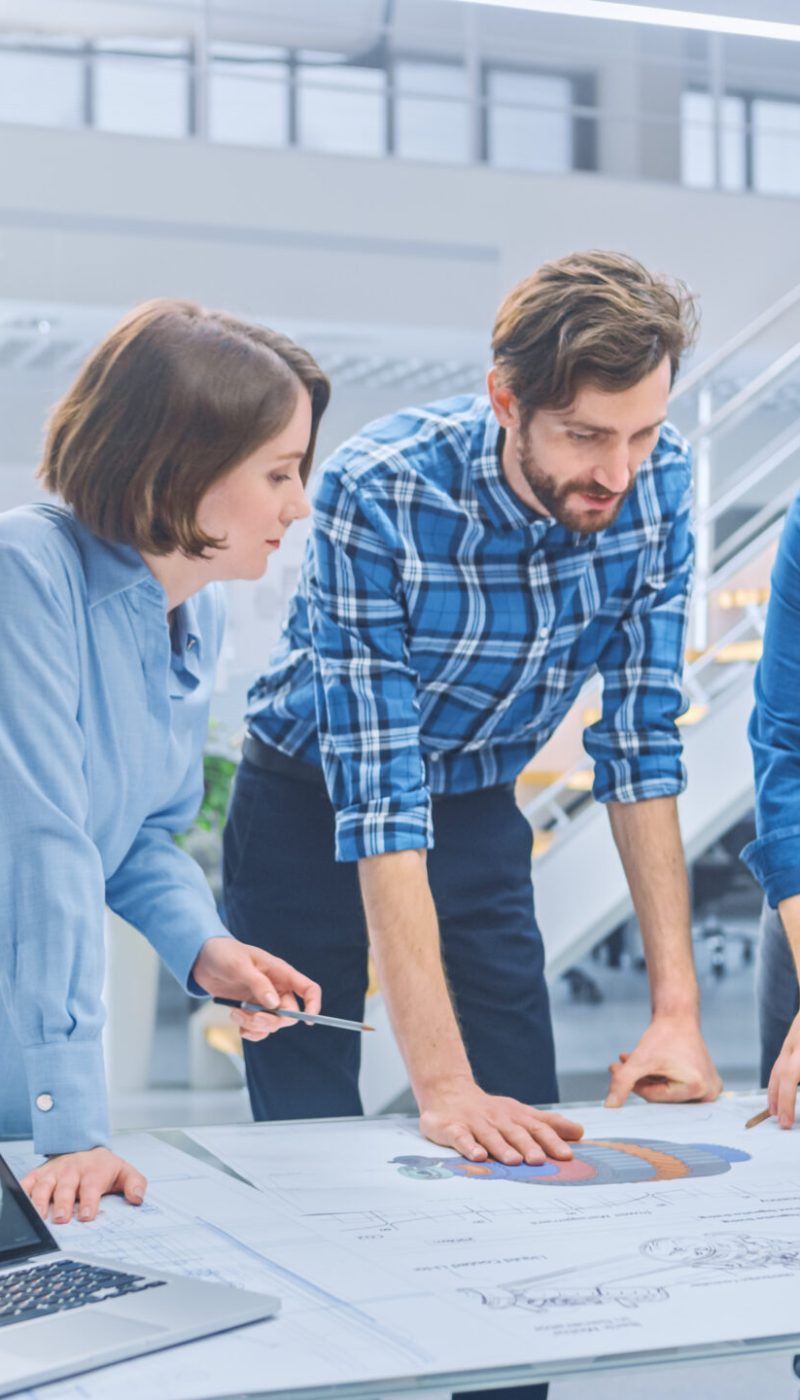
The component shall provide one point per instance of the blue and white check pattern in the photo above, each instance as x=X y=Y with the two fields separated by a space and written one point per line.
x=441 y=629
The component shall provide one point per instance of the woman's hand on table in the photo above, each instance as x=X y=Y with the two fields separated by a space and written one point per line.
x=785 y=1077
x=81 y=1179
x=227 y=968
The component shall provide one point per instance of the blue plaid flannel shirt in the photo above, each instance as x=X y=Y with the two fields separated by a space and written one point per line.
x=441 y=629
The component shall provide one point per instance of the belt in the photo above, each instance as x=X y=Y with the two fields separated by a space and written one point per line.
x=273 y=761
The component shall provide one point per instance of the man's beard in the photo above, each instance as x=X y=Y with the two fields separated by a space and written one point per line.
x=556 y=497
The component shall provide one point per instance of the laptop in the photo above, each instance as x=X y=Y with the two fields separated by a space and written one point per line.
x=61 y=1314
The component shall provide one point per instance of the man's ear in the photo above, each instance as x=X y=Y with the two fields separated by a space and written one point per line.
x=503 y=400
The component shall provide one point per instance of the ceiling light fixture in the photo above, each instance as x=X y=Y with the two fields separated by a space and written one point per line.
x=652 y=14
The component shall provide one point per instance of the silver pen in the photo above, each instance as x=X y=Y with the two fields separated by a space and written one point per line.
x=306 y=1016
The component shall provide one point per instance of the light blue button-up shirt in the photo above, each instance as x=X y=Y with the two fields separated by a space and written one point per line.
x=103 y=717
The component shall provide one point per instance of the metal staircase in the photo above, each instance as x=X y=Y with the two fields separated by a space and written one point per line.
x=740 y=408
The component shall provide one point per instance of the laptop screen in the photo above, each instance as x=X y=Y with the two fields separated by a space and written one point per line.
x=22 y=1231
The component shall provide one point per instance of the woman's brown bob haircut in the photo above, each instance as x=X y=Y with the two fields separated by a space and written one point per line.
x=590 y=318
x=173 y=399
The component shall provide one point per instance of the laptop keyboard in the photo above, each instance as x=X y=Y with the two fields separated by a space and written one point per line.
x=65 y=1284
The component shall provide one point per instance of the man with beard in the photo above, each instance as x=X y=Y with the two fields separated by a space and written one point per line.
x=472 y=563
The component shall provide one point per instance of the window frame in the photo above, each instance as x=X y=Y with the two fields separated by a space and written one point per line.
x=393 y=94
x=583 y=108
x=747 y=96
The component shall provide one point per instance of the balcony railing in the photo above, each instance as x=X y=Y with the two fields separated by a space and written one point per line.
x=537 y=96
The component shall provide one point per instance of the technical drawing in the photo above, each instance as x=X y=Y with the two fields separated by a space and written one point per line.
x=724 y=1253
x=601 y=1162
x=677 y=1261
x=539 y=1300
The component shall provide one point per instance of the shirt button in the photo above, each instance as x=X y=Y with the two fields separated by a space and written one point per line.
x=44 y=1102
x=543 y=633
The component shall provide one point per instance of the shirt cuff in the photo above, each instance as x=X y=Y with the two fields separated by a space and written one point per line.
x=180 y=953
x=622 y=780
x=774 y=860
x=67 y=1087
x=376 y=828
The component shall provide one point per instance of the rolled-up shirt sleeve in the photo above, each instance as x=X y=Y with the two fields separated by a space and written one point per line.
x=774 y=731
x=366 y=692
x=636 y=744
x=51 y=876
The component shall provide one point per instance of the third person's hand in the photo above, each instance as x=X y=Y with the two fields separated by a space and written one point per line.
x=785 y=1077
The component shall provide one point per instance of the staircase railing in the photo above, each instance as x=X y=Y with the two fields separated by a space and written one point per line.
x=737 y=522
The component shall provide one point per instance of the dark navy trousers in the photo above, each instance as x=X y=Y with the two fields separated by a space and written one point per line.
x=285 y=892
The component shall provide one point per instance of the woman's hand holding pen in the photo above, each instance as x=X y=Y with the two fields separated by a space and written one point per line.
x=227 y=968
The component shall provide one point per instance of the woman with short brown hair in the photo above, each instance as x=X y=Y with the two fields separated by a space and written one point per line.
x=181 y=454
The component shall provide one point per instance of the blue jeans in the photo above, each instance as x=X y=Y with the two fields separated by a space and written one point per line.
x=285 y=892
x=776 y=988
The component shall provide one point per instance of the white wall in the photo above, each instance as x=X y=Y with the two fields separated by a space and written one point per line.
x=94 y=218
x=413 y=256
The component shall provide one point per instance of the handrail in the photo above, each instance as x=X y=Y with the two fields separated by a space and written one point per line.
x=546 y=801
x=746 y=396
x=750 y=551
x=762 y=517
x=787 y=444
x=704 y=681
x=743 y=337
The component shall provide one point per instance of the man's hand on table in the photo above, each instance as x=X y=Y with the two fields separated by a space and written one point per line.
x=669 y=1065
x=227 y=968
x=82 y=1178
x=785 y=1077
x=478 y=1125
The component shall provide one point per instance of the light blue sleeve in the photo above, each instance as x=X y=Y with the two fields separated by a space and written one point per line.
x=51 y=876
x=163 y=892
x=158 y=887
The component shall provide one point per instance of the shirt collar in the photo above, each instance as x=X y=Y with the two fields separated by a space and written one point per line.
x=111 y=568
x=502 y=505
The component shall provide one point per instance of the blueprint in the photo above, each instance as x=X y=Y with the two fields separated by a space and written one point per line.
x=672 y=1227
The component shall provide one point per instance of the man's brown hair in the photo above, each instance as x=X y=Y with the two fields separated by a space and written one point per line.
x=590 y=318
x=173 y=399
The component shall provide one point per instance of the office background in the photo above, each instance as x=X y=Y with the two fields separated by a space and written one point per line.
x=371 y=176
